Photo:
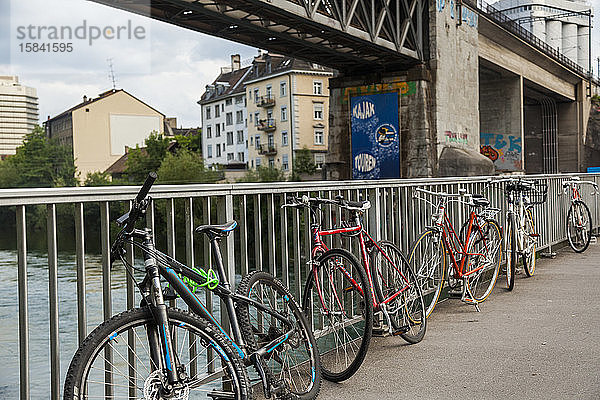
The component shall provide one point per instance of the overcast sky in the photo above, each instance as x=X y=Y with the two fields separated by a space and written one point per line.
x=168 y=67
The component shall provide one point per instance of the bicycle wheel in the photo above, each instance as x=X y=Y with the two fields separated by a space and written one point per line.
x=114 y=361
x=485 y=249
x=579 y=227
x=340 y=315
x=511 y=252
x=397 y=287
x=294 y=367
x=428 y=261
x=529 y=245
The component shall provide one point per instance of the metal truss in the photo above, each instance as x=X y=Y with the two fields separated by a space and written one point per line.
x=348 y=35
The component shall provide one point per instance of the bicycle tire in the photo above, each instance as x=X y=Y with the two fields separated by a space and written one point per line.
x=529 y=259
x=117 y=334
x=511 y=250
x=258 y=330
x=481 y=284
x=392 y=273
x=579 y=211
x=356 y=312
x=428 y=261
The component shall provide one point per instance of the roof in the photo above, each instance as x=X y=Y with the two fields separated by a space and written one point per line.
x=101 y=96
x=279 y=63
x=119 y=166
x=228 y=83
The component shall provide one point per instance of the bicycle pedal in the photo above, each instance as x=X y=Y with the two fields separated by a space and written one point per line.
x=401 y=330
x=534 y=235
x=455 y=293
x=348 y=289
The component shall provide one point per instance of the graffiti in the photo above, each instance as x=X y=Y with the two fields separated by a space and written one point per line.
x=504 y=150
x=468 y=16
x=459 y=138
x=403 y=88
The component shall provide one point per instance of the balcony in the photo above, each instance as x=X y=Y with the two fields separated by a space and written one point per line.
x=267 y=149
x=266 y=101
x=266 y=125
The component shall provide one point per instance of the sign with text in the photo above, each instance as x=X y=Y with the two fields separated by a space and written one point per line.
x=375 y=136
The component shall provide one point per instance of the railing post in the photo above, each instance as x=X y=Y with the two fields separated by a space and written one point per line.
x=80 y=257
x=106 y=291
x=23 y=314
x=53 y=302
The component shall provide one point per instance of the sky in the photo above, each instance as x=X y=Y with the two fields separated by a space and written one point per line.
x=165 y=66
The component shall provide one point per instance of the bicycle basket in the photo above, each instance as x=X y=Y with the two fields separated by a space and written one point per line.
x=537 y=193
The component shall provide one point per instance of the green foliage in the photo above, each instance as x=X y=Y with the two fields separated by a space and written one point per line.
x=263 y=174
x=596 y=98
x=304 y=162
x=97 y=179
x=39 y=162
x=192 y=142
x=141 y=161
x=185 y=167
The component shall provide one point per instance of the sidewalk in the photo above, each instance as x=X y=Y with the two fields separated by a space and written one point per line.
x=542 y=341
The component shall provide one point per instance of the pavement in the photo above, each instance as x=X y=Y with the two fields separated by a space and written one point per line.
x=540 y=341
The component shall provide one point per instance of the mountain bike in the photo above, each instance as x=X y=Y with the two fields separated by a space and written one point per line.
x=158 y=352
x=341 y=294
x=579 y=218
x=474 y=253
x=521 y=237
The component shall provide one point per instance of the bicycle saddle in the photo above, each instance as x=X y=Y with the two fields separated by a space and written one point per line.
x=217 y=230
x=479 y=201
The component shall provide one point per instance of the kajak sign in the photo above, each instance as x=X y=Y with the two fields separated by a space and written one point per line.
x=375 y=141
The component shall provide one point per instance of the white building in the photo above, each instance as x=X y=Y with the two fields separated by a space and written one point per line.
x=557 y=22
x=224 y=119
x=18 y=113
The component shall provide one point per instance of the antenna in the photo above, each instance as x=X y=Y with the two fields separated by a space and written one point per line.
x=111 y=73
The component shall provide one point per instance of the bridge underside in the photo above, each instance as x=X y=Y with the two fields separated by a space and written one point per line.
x=348 y=35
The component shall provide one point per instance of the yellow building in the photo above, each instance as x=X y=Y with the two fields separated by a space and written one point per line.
x=99 y=129
x=288 y=108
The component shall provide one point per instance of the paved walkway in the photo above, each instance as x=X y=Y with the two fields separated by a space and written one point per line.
x=542 y=341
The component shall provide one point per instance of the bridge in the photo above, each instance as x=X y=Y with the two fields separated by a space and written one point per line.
x=65 y=287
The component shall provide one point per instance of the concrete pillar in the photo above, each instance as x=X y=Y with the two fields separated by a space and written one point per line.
x=539 y=30
x=554 y=34
x=583 y=47
x=569 y=41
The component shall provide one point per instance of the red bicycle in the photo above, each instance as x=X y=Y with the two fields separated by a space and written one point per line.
x=341 y=295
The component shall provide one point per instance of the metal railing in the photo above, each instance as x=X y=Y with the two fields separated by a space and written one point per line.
x=268 y=237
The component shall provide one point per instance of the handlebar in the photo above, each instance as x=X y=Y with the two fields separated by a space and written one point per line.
x=146 y=187
x=461 y=192
x=139 y=205
x=306 y=201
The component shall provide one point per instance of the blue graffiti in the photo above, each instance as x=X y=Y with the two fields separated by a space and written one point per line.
x=440 y=5
x=500 y=142
x=515 y=144
x=486 y=138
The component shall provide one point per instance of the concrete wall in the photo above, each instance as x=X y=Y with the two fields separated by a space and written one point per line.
x=533 y=151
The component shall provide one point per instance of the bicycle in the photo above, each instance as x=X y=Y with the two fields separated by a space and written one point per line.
x=521 y=238
x=159 y=352
x=350 y=297
x=475 y=254
x=579 y=218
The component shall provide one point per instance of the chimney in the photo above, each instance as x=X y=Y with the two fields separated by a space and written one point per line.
x=84 y=98
x=235 y=62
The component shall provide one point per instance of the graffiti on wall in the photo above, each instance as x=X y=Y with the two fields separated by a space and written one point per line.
x=504 y=150
x=403 y=88
x=468 y=16
x=456 y=138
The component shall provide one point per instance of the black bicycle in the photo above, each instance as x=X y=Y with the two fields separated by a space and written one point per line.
x=159 y=352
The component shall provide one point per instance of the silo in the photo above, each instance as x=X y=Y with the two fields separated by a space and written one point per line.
x=583 y=47
x=569 y=41
x=554 y=34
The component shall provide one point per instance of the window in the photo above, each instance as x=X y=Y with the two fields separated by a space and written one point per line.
x=228 y=102
x=239 y=117
x=229 y=138
x=239 y=99
x=270 y=114
x=284 y=138
x=223 y=146
x=317 y=87
x=229 y=119
x=257 y=141
x=256 y=95
x=251 y=141
x=284 y=162
x=209 y=151
x=222 y=107
x=269 y=92
x=319 y=136
x=250 y=116
x=208 y=132
x=318 y=110
x=218 y=151
x=257 y=162
x=230 y=157
x=319 y=160
x=284 y=113
x=271 y=140
x=256 y=118
x=240 y=137
x=282 y=89
x=217 y=111
x=218 y=133
x=241 y=156
x=207 y=112
x=271 y=163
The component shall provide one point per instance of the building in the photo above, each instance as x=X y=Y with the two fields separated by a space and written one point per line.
x=99 y=129
x=18 y=113
x=563 y=24
x=224 y=119
x=288 y=108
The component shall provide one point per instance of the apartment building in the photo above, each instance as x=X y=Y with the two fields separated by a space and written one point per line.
x=224 y=119
x=18 y=113
x=288 y=108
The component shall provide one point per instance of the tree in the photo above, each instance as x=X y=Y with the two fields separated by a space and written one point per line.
x=185 y=167
x=141 y=161
x=192 y=142
x=263 y=174
x=303 y=164
x=39 y=162
x=97 y=179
